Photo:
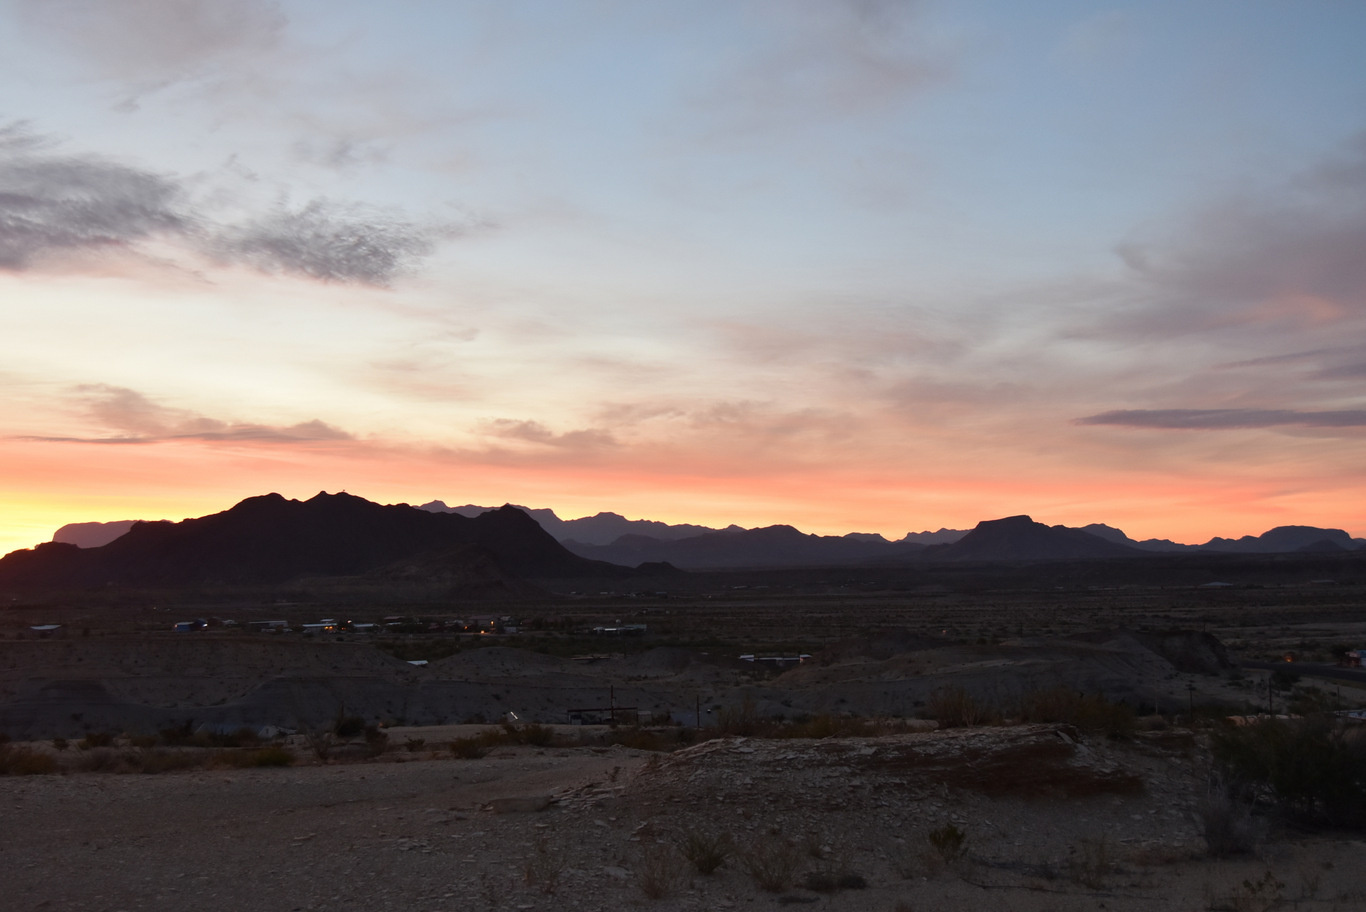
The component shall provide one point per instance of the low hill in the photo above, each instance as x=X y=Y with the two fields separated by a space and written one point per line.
x=269 y=539
x=1021 y=538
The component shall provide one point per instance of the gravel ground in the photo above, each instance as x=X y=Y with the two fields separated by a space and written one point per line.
x=1052 y=822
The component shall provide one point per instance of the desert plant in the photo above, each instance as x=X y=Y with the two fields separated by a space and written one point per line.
x=320 y=742
x=704 y=850
x=348 y=726
x=771 y=862
x=60 y=744
x=94 y=740
x=948 y=843
x=543 y=867
x=954 y=707
x=1229 y=825
x=469 y=748
x=742 y=720
x=377 y=741
x=660 y=871
x=24 y=761
x=1313 y=769
x=1088 y=712
x=412 y=745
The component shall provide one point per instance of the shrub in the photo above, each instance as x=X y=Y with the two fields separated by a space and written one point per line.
x=949 y=843
x=954 y=707
x=537 y=735
x=705 y=851
x=377 y=741
x=659 y=872
x=771 y=863
x=1312 y=769
x=469 y=748
x=348 y=726
x=23 y=761
x=1230 y=828
x=95 y=739
x=742 y=720
x=260 y=757
x=543 y=867
x=1088 y=712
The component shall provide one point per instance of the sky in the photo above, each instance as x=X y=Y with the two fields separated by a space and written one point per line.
x=850 y=265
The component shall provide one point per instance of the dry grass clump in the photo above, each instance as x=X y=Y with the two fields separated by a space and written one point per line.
x=24 y=761
x=706 y=851
x=660 y=871
x=1229 y=824
x=543 y=867
x=473 y=748
x=1088 y=712
x=954 y=707
x=772 y=862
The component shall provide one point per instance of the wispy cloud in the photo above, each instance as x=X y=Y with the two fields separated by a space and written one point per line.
x=812 y=60
x=134 y=419
x=329 y=241
x=1287 y=256
x=150 y=43
x=535 y=432
x=53 y=203
x=1227 y=419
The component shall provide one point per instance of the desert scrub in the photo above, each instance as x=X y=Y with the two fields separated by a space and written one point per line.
x=1227 y=819
x=954 y=707
x=1088 y=712
x=24 y=761
x=543 y=867
x=948 y=845
x=772 y=862
x=660 y=872
x=1311 y=769
x=704 y=850
x=469 y=748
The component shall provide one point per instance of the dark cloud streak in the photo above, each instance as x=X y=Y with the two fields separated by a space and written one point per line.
x=52 y=204
x=135 y=419
x=1226 y=419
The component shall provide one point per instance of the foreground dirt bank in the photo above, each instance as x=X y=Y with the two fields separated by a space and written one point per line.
x=1048 y=820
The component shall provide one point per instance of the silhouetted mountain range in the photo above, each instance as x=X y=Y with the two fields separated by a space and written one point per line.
x=269 y=539
x=614 y=539
x=600 y=529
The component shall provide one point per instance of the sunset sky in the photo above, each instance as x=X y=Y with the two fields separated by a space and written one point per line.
x=852 y=265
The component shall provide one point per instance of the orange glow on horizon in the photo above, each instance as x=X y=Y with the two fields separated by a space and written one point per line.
x=51 y=484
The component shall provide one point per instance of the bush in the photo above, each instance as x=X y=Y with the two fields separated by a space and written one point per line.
x=954 y=707
x=659 y=872
x=1229 y=825
x=771 y=863
x=23 y=761
x=1312 y=769
x=742 y=720
x=949 y=843
x=469 y=748
x=95 y=739
x=1089 y=713
x=705 y=851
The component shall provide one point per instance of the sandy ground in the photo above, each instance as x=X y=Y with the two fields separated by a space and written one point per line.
x=1053 y=822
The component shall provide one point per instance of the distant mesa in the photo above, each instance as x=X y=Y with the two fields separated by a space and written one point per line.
x=1286 y=539
x=1021 y=538
x=92 y=534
